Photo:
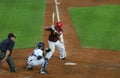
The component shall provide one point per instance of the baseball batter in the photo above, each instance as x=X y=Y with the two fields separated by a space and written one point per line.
x=36 y=58
x=54 y=41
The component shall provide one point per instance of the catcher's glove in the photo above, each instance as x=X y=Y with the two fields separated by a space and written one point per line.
x=39 y=57
x=47 y=50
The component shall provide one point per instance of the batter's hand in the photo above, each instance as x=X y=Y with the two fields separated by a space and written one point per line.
x=53 y=28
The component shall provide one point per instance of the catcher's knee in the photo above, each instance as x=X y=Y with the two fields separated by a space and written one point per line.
x=46 y=59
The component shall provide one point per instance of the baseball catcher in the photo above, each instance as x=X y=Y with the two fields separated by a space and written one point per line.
x=37 y=58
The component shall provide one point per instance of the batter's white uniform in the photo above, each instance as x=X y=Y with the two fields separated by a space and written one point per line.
x=62 y=41
x=32 y=59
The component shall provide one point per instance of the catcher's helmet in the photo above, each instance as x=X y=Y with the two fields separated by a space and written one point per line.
x=40 y=45
x=59 y=24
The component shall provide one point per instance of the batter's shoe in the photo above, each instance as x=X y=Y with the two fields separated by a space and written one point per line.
x=43 y=72
x=62 y=58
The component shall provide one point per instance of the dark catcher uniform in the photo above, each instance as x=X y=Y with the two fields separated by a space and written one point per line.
x=7 y=46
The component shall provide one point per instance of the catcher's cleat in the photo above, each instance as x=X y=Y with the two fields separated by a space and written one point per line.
x=28 y=68
x=43 y=72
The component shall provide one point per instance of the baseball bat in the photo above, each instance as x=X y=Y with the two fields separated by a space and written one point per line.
x=58 y=19
x=57 y=11
x=53 y=18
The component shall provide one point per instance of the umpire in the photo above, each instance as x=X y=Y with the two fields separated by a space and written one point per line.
x=6 y=47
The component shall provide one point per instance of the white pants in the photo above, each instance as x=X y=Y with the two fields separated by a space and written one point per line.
x=59 y=46
x=34 y=62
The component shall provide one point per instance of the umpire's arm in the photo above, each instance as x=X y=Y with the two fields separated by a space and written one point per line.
x=6 y=56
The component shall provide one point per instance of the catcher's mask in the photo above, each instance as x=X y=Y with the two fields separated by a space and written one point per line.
x=40 y=45
x=59 y=24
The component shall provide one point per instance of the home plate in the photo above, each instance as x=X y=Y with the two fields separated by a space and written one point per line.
x=70 y=63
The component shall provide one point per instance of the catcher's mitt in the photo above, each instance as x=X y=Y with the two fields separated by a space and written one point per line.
x=39 y=57
x=47 y=50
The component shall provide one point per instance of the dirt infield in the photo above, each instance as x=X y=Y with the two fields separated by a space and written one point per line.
x=91 y=63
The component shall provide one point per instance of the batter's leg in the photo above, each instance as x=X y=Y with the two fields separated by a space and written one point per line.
x=62 y=41
x=61 y=49
x=52 y=47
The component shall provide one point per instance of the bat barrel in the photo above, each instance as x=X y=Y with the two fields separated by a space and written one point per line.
x=57 y=11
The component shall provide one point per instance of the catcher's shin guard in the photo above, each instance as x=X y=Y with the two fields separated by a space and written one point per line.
x=44 y=66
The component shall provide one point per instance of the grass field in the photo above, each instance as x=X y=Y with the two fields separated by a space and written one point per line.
x=98 y=26
x=23 y=17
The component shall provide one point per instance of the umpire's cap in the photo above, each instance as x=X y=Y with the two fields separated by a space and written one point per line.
x=11 y=35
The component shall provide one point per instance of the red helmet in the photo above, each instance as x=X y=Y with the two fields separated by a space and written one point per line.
x=59 y=24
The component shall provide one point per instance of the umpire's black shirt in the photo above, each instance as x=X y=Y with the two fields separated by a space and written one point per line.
x=7 y=44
